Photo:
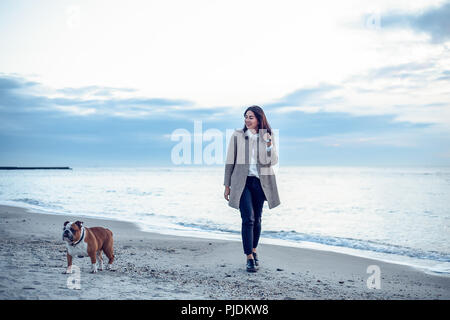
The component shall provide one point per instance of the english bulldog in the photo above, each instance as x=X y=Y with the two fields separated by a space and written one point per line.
x=82 y=242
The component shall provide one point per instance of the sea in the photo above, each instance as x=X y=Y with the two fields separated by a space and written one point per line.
x=393 y=214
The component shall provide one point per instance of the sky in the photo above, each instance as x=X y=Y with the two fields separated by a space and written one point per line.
x=106 y=83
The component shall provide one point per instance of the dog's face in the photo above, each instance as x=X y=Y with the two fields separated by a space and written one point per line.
x=72 y=231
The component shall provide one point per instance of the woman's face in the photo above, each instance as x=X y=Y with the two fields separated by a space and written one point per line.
x=250 y=120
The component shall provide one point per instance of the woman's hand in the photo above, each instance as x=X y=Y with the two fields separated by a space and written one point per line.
x=226 y=194
x=267 y=137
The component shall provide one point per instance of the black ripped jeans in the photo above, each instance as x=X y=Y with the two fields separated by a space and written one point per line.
x=251 y=205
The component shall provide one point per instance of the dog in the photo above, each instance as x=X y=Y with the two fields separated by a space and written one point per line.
x=83 y=242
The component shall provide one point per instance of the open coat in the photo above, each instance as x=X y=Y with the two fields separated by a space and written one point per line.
x=238 y=163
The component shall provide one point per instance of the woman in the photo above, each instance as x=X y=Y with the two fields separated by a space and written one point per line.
x=249 y=177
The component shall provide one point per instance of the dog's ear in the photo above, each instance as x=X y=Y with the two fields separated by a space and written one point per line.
x=65 y=223
x=79 y=224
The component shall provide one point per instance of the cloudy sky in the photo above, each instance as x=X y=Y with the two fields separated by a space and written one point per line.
x=88 y=83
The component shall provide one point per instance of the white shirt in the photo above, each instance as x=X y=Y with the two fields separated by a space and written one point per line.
x=253 y=139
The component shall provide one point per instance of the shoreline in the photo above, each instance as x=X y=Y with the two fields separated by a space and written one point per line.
x=158 y=266
x=413 y=262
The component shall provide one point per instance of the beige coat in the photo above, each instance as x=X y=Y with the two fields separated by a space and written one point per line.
x=238 y=163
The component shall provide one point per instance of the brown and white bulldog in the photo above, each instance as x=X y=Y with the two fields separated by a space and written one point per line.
x=82 y=242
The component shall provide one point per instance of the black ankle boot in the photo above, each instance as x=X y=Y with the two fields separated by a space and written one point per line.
x=251 y=265
x=255 y=256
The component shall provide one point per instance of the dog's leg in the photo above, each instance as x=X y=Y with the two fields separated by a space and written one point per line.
x=108 y=248
x=100 y=260
x=69 y=264
x=92 y=255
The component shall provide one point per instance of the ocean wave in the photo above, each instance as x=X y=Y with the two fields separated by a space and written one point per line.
x=365 y=245
x=209 y=227
x=138 y=192
x=358 y=244
x=37 y=203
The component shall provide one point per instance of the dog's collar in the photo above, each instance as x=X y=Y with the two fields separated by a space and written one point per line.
x=81 y=238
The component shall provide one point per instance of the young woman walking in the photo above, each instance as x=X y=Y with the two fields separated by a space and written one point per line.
x=249 y=177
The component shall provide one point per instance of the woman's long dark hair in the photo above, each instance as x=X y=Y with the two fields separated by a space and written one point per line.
x=261 y=117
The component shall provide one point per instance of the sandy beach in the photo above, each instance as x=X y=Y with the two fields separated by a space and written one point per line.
x=155 y=266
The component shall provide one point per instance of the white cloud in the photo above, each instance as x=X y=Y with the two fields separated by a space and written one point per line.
x=305 y=109
x=396 y=139
x=75 y=110
x=211 y=52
